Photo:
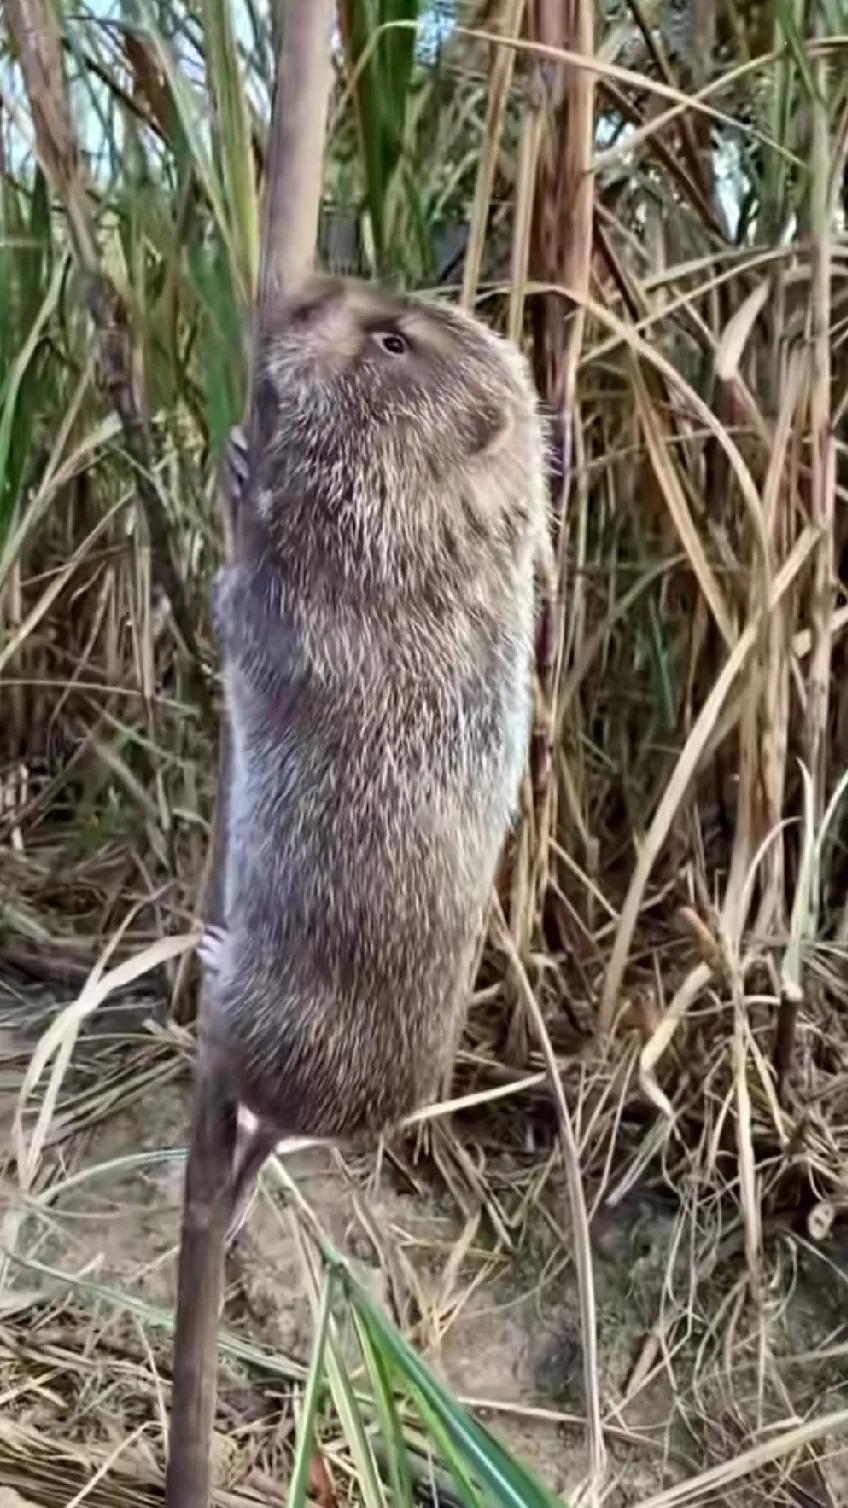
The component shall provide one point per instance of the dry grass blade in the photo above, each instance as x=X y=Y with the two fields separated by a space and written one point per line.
x=737 y=331
x=678 y=787
x=58 y=1041
x=666 y=475
x=579 y=1216
x=500 y=80
x=661 y=1038
x=529 y=147
x=823 y=476
x=693 y=403
x=651 y=199
x=682 y=102
x=704 y=1486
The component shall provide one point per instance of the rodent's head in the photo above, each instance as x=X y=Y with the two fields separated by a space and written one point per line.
x=385 y=405
x=352 y=354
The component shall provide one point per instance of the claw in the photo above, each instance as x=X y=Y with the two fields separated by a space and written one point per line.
x=211 y=947
x=236 y=464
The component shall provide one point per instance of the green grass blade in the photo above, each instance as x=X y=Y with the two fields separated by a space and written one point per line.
x=299 y=1486
x=451 y=1458
x=396 y=52
x=397 y=1466
x=14 y=379
x=233 y=139
x=380 y=62
x=357 y=28
x=344 y=1396
x=788 y=24
x=197 y=142
x=350 y=1416
x=510 y=1484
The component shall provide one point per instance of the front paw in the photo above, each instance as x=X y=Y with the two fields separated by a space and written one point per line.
x=210 y=949
x=218 y=603
x=235 y=467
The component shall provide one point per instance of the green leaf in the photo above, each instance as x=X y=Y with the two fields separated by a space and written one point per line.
x=233 y=146
x=794 y=39
x=450 y=1457
x=197 y=138
x=11 y=388
x=397 y=1465
x=299 y=1485
x=380 y=56
x=347 y=1408
x=510 y=1484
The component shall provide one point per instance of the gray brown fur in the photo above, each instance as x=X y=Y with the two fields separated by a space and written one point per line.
x=376 y=631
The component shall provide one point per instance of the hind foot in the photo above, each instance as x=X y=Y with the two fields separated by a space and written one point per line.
x=255 y=1141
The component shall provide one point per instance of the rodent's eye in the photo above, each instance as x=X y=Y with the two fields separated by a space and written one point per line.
x=391 y=342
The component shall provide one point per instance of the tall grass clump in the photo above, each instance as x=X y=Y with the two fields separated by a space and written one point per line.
x=665 y=965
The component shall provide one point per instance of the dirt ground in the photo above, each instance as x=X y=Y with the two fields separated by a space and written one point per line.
x=486 y=1290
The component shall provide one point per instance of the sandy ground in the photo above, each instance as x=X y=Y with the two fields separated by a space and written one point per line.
x=495 y=1313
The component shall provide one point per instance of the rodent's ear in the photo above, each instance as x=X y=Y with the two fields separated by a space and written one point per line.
x=489 y=427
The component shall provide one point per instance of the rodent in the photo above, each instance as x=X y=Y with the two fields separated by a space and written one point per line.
x=375 y=623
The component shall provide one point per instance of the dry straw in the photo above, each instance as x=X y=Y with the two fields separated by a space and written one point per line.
x=668 y=960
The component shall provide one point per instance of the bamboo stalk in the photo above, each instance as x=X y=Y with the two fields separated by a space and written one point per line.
x=289 y=233
x=294 y=168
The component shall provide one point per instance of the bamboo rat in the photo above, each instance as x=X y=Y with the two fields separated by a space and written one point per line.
x=375 y=625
